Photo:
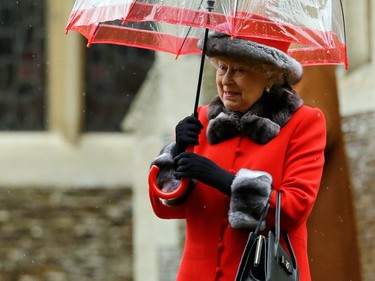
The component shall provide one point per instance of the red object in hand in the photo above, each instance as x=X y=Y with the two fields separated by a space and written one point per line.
x=178 y=192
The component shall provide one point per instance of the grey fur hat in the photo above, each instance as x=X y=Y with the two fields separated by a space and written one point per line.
x=221 y=44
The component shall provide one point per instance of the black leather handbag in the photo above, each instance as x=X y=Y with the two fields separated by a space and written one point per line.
x=264 y=258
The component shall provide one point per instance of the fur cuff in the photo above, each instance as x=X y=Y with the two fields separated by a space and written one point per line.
x=250 y=193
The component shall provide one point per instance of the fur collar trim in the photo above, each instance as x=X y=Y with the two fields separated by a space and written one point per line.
x=261 y=123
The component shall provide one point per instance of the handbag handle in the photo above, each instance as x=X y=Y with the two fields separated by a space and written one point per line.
x=245 y=259
x=277 y=216
x=285 y=234
x=277 y=220
x=277 y=226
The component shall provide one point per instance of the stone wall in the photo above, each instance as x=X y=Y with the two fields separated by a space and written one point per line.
x=65 y=234
x=359 y=133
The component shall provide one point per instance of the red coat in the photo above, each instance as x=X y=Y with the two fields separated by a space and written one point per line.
x=294 y=158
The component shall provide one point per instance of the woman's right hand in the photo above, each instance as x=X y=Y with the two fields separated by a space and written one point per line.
x=187 y=133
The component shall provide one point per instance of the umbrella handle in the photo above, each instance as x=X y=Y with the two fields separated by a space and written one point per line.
x=177 y=193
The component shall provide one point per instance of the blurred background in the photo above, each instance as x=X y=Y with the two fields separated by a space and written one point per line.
x=79 y=127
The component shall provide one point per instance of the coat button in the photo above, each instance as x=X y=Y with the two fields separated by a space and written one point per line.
x=238 y=152
x=220 y=246
x=219 y=271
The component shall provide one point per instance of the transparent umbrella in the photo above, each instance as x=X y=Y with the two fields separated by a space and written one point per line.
x=314 y=27
x=315 y=30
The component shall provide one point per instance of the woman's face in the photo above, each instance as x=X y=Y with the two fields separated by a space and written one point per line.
x=238 y=85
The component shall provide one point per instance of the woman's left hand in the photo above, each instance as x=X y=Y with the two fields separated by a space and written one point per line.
x=191 y=165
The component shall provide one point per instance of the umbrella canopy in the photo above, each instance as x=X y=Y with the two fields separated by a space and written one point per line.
x=315 y=28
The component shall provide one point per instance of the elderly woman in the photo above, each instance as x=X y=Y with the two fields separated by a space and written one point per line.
x=255 y=138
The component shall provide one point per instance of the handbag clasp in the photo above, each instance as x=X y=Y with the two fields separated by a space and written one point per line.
x=286 y=265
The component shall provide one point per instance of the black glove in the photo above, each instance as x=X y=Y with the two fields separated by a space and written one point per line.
x=187 y=133
x=191 y=165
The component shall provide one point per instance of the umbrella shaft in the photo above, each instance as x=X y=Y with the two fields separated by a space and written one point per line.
x=210 y=7
x=200 y=77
